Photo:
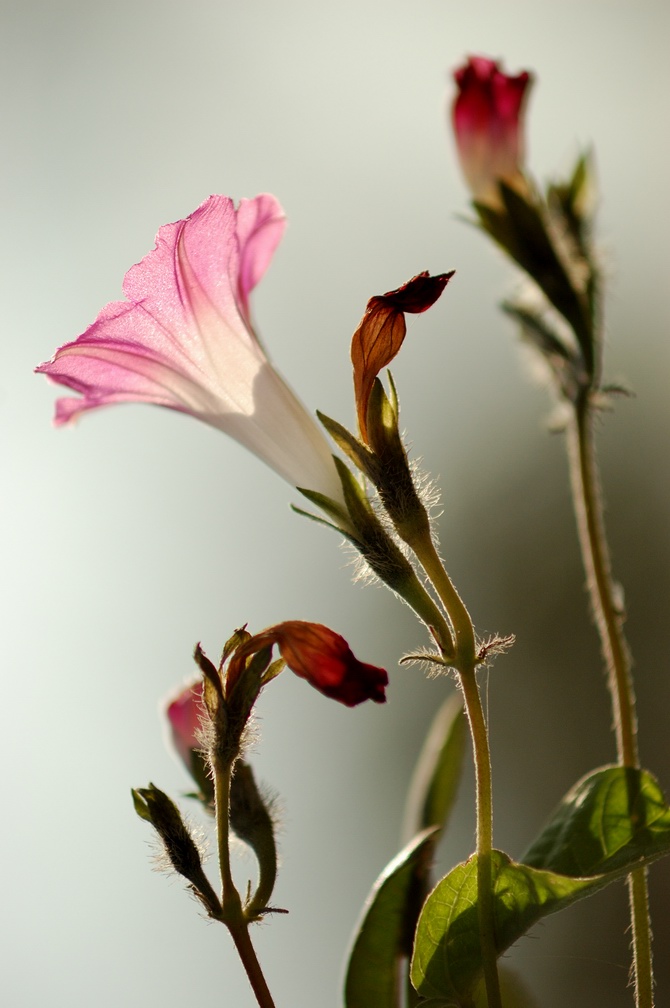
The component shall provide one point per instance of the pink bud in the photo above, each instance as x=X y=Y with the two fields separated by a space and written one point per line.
x=488 y=126
x=184 y=713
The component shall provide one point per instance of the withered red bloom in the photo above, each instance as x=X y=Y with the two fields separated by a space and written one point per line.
x=382 y=330
x=325 y=660
x=320 y=656
x=488 y=126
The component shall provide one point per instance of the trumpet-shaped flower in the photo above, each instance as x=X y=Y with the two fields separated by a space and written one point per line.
x=184 y=339
x=488 y=126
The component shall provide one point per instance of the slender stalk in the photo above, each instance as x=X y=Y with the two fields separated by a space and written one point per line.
x=231 y=904
x=247 y=953
x=609 y=619
x=428 y=557
x=465 y=664
x=485 y=904
x=230 y=898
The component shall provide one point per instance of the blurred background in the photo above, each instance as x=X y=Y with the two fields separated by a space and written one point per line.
x=139 y=532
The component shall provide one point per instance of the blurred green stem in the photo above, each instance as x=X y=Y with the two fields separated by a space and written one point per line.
x=609 y=616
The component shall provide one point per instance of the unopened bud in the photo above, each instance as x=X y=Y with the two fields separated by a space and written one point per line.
x=154 y=806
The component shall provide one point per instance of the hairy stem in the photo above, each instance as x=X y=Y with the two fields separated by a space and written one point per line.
x=485 y=904
x=609 y=618
x=247 y=953
x=232 y=912
x=465 y=663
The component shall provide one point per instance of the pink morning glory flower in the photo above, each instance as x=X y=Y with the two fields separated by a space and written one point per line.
x=184 y=339
x=488 y=126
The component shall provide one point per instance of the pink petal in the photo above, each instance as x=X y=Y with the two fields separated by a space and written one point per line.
x=183 y=340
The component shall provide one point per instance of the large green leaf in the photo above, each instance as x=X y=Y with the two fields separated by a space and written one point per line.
x=385 y=931
x=612 y=821
x=433 y=789
x=609 y=819
x=447 y=961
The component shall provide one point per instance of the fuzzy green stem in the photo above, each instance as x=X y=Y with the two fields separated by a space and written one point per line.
x=609 y=619
x=230 y=898
x=428 y=557
x=485 y=905
x=465 y=663
x=231 y=904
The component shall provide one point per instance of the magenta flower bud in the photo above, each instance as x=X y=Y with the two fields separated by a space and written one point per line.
x=184 y=714
x=488 y=125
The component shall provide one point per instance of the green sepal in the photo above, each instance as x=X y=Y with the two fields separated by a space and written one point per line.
x=240 y=636
x=212 y=690
x=354 y=449
x=140 y=805
x=565 y=364
x=248 y=685
x=272 y=671
x=521 y=231
x=207 y=667
x=382 y=422
x=318 y=519
x=573 y=200
x=610 y=819
x=383 y=935
x=434 y=785
x=358 y=505
x=341 y=521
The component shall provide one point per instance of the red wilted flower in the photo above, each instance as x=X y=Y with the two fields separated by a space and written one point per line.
x=382 y=330
x=320 y=656
x=488 y=125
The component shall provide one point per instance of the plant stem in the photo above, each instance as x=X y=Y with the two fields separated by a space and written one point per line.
x=247 y=953
x=485 y=904
x=230 y=898
x=465 y=663
x=609 y=618
x=232 y=912
x=428 y=557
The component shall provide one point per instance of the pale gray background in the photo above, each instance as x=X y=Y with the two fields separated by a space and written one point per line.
x=140 y=532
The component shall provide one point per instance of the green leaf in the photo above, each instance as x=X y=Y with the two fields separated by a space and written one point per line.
x=384 y=933
x=435 y=782
x=612 y=818
x=612 y=821
x=447 y=960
